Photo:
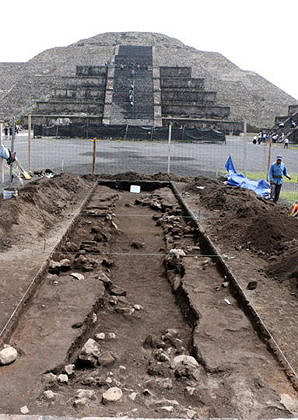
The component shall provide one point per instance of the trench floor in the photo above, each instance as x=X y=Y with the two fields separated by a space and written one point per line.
x=236 y=376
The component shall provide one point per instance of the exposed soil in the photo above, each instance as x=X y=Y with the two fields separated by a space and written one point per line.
x=38 y=207
x=239 y=218
x=270 y=259
x=285 y=267
x=159 y=305
x=135 y=176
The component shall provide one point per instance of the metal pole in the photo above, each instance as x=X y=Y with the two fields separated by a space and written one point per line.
x=29 y=142
x=12 y=147
x=93 y=156
x=269 y=157
x=2 y=160
x=169 y=148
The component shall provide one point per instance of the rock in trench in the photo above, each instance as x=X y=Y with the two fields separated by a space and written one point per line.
x=8 y=355
x=90 y=353
x=113 y=394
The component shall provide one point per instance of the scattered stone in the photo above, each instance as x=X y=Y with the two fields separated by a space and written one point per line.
x=77 y=276
x=147 y=393
x=69 y=369
x=191 y=414
x=100 y=336
x=125 y=310
x=227 y=301
x=90 y=353
x=8 y=355
x=94 y=318
x=56 y=267
x=165 y=402
x=24 y=410
x=159 y=383
x=154 y=342
x=177 y=253
x=137 y=245
x=190 y=390
x=56 y=282
x=184 y=359
x=168 y=408
x=80 y=402
x=117 y=291
x=111 y=336
x=188 y=372
x=77 y=325
x=107 y=263
x=49 y=379
x=62 y=378
x=122 y=368
x=171 y=332
x=225 y=284
x=106 y=359
x=177 y=343
x=94 y=381
x=113 y=300
x=105 y=279
x=112 y=395
x=161 y=356
x=252 y=285
x=86 y=393
x=71 y=247
x=49 y=395
x=158 y=369
x=138 y=307
x=133 y=395
x=109 y=380
x=85 y=263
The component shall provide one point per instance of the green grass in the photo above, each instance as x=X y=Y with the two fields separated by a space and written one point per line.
x=262 y=175
x=290 y=196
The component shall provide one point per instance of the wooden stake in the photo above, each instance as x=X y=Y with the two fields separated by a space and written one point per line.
x=93 y=156
x=169 y=148
x=29 y=142
x=269 y=158
x=2 y=160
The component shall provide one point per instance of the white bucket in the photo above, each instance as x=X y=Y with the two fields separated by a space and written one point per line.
x=10 y=193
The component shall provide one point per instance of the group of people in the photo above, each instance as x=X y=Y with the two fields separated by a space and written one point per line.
x=263 y=137
x=8 y=130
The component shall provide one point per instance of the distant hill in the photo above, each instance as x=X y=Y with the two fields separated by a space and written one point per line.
x=249 y=95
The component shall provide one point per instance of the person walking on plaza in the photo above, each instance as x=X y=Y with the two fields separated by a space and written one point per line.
x=276 y=173
x=286 y=143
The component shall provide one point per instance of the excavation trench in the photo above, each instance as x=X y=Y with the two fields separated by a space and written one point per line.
x=143 y=306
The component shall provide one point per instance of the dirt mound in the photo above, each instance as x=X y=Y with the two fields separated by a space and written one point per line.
x=244 y=220
x=285 y=266
x=39 y=206
x=134 y=176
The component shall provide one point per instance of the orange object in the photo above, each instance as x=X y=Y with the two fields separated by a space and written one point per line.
x=294 y=209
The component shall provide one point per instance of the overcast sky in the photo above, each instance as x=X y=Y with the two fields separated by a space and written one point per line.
x=257 y=35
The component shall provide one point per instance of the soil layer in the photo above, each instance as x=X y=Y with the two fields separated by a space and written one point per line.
x=148 y=294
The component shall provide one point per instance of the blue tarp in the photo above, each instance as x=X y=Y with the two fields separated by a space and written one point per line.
x=260 y=187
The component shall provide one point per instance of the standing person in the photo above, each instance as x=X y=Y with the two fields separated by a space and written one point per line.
x=276 y=173
x=286 y=143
